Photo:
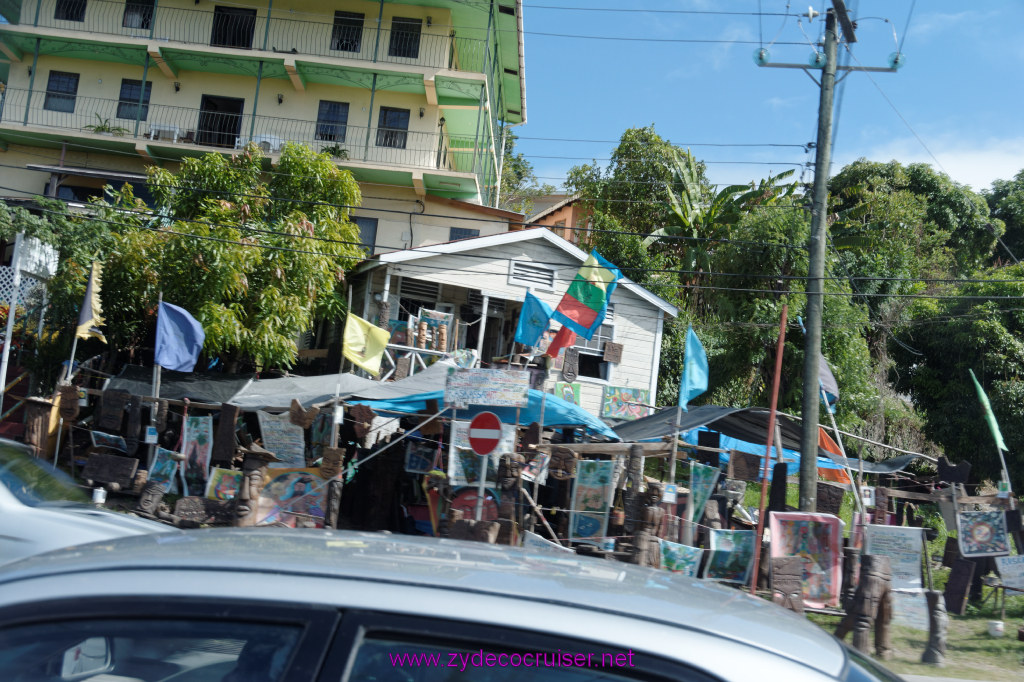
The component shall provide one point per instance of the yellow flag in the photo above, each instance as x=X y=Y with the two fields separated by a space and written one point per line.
x=90 y=316
x=364 y=344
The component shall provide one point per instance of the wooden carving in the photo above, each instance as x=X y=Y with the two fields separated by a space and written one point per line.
x=68 y=403
x=829 y=498
x=871 y=607
x=787 y=582
x=562 y=465
x=113 y=472
x=111 y=410
x=202 y=510
x=950 y=473
x=958 y=587
x=402 y=367
x=938 y=626
x=646 y=545
x=361 y=417
x=777 y=494
x=571 y=365
x=881 y=514
x=612 y=352
x=300 y=416
x=224 y=441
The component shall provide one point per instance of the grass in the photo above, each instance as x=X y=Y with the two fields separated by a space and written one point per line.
x=971 y=654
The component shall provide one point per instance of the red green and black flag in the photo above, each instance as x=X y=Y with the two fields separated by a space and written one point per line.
x=585 y=303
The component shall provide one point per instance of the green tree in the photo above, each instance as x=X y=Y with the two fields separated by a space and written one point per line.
x=1006 y=203
x=971 y=330
x=519 y=184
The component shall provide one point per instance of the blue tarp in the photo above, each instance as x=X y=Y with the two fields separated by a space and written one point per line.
x=790 y=457
x=557 y=412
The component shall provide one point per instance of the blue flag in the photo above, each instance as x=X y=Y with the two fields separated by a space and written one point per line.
x=695 y=370
x=828 y=384
x=533 y=320
x=179 y=338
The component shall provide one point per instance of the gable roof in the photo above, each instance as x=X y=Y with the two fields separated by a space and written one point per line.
x=501 y=239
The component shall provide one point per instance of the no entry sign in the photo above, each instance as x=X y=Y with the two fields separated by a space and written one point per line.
x=484 y=433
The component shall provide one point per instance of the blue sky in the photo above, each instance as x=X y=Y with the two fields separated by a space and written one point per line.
x=957 y=103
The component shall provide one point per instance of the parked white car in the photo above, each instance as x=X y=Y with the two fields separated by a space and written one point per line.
x=42 y=509
x=304 y=605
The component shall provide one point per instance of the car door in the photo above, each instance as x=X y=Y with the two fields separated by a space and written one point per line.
x=371 y=646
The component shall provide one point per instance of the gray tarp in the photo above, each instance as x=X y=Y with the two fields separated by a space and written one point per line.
x=278 y=393
x=203 y=388
x=431 y=379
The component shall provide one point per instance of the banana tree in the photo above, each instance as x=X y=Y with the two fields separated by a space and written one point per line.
x=704 y=217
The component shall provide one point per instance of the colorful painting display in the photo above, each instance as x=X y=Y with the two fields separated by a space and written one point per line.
x=197 y=442
x=108 y=440
x=903 y=545
x=569 y=392
x=910 y=609
x=419 y=455
x=163 y=468
x=284 y=439
x=591 y=499
x=619 y=402
x=732 y=556
x=495 y=387
x=818 y=540
x=465 y=501
x=293 y=498
x=223 y=484
x=680 y=558
x=702 y=483
x=982 y=533
x=537 y=468
x=464 y=464
x=320 y=434
x=1011 y=570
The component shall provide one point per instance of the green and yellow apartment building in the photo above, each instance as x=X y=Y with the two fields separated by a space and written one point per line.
x=410 y=96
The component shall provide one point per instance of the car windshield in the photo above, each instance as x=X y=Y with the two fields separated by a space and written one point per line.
x=33 y=482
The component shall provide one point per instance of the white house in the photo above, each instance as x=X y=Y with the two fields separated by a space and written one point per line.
x=493 y=273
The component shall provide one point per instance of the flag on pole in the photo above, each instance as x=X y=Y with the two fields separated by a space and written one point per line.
x=563 y=339
x=989 y=417
x=695 y=370
x=364 y=344
x=828 y=383
x=585 y=302
x=533 y=320
x=179 y=338
x=90 y=316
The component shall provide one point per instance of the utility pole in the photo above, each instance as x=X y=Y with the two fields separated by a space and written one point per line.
x=816 y=274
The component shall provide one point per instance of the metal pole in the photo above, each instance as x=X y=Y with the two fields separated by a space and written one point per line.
x=142 y=95
x=376 y=44
x=369 y=120
x=12 y=311
x=256 y=100
x=758 y=538
x=156 y=390
x=480 y=334
x=266 y=28
x=816 y=274
x=31 y=82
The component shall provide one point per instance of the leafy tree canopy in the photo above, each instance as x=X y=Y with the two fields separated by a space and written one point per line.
x=1006 y=203
x=519 y=184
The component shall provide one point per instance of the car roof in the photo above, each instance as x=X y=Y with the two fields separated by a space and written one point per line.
x=468 y=568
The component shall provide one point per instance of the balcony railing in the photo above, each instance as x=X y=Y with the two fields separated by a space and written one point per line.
x=342 y=35
x=187 y=126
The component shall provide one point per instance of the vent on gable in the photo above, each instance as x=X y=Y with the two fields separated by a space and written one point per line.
x=531 y=275
x=420 y=290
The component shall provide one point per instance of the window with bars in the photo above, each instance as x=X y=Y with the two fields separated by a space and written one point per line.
x=347 y=35
x=405 y=37
x=128 y=101
x=331 y=121
x=138 y=14
x=69 y=10
x=392 y=127
x=591 y=351
x=61 y=90
x=457 y=233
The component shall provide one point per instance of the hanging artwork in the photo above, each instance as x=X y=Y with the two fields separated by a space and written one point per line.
x=591 y=499
x=537 y=468
x=465 y=501
x=619 y=402
x=223 y=484
x=702 y=483
x=320 y=434
x=1011 y=570
x=680 y=558
x=817 y=539
x=569 y=392
x=910 y=609
x=419 y=455
x=293 y=498
x=284 y=439
x=982 y=533
x=108 y=440
x=464 y=464
x=903 y=545
x=732 y=555
x=399 y=332
x=197 y=443
x=163 y=468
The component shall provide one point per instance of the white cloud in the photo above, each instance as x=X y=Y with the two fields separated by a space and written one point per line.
x=970 y=162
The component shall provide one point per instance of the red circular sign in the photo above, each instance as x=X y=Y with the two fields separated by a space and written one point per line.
x=484 y=433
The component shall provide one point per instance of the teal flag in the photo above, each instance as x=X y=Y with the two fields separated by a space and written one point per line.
x=533 y=320
x=989 y=417
x=695 y=370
